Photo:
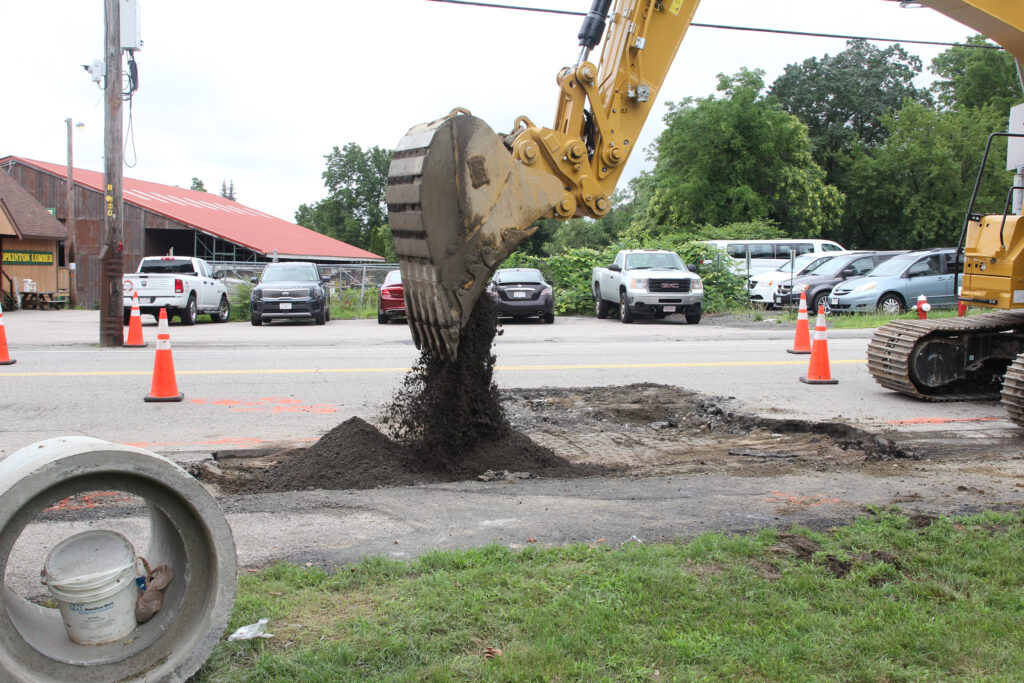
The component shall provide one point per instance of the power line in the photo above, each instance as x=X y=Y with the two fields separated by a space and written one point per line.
x=731 y=28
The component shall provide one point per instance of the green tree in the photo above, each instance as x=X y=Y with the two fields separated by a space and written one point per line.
x=975 y=76
x=355 y=206
x=737 y=158
x=912 y=191
x=842 y=98
x=227 y=191
x=197 y=185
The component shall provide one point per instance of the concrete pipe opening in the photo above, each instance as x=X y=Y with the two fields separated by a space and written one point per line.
x=187 y=531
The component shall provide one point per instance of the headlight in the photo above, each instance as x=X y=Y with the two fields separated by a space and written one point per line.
x=867 y=286
x=696 y=285
x=638 y=283
x=318 y=293
x=257 y=294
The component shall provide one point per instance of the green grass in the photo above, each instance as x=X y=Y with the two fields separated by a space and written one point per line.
x=787 y=316
x=885 y=598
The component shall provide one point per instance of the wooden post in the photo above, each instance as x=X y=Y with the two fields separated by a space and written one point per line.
x=111 y=251
x=69 y=221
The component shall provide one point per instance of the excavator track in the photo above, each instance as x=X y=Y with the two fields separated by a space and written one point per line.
x=1013 y=391
x=893 y=357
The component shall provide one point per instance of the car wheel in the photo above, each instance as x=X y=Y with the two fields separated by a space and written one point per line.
x=817 y=301
x=256 y=321
x=549 y=318
x=327 y=309
x=625 y=315
x=891 y=304
x=382 y=318
x=692 y=318
x=223 y=311
x=188 y=316
x=600 y=306
x=321 y=319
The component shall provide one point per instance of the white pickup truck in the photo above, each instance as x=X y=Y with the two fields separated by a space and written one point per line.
x=184 y=286
x=648 y=282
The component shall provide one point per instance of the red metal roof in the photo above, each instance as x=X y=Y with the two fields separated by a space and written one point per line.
x=221 y=217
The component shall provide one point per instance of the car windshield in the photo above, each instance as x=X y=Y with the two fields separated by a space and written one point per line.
x=526 y=277
x=668 y=260
x=829 y=267
x=893 y=266
x=296 y=273
x=804 y=263
x=180 y=267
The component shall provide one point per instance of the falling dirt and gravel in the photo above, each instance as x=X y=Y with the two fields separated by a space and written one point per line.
x=449 y=422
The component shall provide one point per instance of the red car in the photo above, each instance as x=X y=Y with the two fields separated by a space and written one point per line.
x=391 y=301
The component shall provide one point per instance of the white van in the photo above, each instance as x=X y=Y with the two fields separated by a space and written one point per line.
x=765 y=255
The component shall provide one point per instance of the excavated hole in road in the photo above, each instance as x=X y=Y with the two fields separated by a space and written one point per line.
x=449 y=422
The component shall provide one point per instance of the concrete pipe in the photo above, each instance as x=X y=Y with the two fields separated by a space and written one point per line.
x=188 y=532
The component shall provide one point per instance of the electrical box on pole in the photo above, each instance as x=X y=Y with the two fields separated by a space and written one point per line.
x=131 y=25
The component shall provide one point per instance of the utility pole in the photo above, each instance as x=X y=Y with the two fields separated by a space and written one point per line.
x=112 y=250
x=69 y=221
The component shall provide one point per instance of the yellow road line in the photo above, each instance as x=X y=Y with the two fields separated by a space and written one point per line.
x=352 y=371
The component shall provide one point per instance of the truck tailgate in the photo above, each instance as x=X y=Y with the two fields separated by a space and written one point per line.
x=149 y=285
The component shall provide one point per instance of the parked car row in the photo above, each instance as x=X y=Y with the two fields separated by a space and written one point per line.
x=866 y=281
x=640 y=282
x=516 y=292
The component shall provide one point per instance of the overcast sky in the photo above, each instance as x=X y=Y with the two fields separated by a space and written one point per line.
x=258 y=92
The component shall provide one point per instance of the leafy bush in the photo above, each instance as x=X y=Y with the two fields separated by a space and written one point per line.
x=346 y=305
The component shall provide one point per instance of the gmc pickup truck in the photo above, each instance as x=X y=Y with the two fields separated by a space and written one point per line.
x=184 y=286
x=647 y=282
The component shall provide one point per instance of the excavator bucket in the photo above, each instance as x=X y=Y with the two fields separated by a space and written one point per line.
x=458 y=205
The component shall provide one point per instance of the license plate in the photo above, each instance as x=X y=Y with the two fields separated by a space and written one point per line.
x=286 y=307
x=669 y=309
x=518 y=295
x=835 y=301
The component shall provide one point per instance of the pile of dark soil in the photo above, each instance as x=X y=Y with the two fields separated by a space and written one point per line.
x=446 y=423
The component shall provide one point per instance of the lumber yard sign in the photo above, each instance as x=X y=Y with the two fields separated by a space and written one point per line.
x=28 y=257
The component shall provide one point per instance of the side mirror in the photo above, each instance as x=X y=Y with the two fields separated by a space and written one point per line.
x=254 y=280
x=615 y=268
x=849 y=271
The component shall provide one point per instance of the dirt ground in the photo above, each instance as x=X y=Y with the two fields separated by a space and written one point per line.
x=633 y=431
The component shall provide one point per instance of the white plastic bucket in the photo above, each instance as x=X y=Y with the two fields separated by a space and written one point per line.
x=92 y=577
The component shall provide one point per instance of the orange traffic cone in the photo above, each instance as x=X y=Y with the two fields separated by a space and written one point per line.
x=135 y=324
x=5 y=358
x=165 y=388
x=802 y=340
x=818 y=372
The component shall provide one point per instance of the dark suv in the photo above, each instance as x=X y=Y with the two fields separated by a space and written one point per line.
x=820 y=280
x=293 y=290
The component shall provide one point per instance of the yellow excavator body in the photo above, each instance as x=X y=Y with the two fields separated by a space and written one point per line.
x=993 y=270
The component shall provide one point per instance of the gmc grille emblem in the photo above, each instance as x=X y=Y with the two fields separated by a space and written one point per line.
x=671 y=285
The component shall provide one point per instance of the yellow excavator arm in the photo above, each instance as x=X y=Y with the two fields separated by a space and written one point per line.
x=461 y=198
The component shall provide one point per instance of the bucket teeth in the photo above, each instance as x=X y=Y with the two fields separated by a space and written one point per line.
x=458 y=205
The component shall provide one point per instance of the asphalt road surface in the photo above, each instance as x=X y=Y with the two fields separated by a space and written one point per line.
x=286 y=385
